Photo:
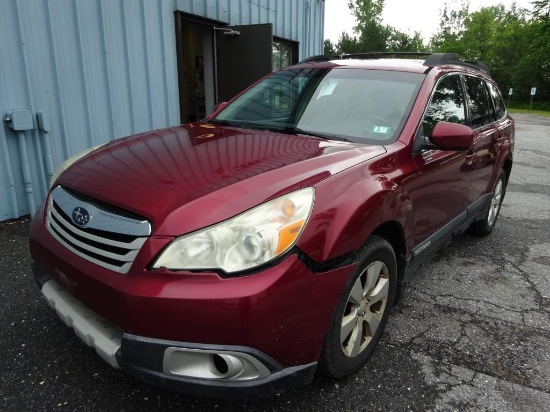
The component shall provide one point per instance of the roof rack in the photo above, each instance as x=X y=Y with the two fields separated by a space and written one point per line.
x=439 y=59
x=373 y=55
x=432 y=59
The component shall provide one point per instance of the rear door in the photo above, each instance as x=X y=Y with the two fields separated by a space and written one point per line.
x=500 y=142
x=244 y=56
x=482 y=119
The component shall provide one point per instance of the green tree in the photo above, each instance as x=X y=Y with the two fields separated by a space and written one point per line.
x=402 y=42
x=540 y=51
x=451 y=29
x=371 y=35
x=348 y=44
x=512 y=42
x=509 y=54
x=479 y=33
x=541 y=9
x=329 y=49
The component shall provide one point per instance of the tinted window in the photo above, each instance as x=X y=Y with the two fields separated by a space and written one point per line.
x=498 y=103
x=447 y=104
x=478 y=102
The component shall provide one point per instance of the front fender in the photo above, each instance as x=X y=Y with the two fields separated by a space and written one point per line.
x=348 y=208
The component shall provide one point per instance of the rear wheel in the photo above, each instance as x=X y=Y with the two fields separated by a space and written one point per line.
x=362 y=312
x=486 y=225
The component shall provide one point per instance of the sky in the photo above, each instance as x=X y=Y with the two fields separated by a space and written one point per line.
x=405 y=15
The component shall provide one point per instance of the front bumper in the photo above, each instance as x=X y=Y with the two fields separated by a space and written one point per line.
x=215 y=370
x=283 y=311
x=277 y=317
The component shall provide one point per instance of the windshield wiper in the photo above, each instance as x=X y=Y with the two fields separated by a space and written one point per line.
x=225 y=123
x=297 y=130
x=241 y=125
x=273 y=128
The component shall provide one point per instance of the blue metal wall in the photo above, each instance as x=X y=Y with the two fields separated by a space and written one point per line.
x=103 y=69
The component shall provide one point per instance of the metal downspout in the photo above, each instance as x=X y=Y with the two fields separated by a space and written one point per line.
x=43 y=128
x=27 y=177
x=20 y=121
x=48 y=157
x=306 y=36
x=11 y=183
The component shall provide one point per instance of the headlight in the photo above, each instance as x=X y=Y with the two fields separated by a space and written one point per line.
x=67 y=163
x=245 y=241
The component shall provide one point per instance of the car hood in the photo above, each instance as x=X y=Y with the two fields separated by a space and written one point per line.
x=187 y=177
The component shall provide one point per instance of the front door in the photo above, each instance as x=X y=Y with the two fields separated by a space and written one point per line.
x=446 y=179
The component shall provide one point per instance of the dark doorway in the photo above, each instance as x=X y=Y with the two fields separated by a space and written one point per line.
x=196 y=45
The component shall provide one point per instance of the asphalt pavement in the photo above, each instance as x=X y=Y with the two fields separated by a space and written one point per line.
x=472 y=332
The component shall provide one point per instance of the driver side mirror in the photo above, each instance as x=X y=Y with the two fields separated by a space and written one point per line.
x=448 y=136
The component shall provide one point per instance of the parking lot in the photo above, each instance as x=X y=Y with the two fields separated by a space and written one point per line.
x=471 y=333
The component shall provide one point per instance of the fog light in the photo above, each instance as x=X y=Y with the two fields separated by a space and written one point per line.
x=220 y=364
x=217 y=365
x=228 y=366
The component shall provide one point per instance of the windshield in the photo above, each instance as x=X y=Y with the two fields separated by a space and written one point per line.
x=359 y=105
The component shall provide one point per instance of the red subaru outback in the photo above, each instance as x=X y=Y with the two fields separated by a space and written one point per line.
x=241 y=254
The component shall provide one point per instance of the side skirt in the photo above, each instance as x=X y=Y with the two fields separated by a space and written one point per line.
x=424 y=251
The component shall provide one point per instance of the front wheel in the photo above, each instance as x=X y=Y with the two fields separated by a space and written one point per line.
x=487 y=224
x=362 y=311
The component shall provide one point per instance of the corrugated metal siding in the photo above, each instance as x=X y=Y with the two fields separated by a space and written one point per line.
x=101 y=69
x=297 y=20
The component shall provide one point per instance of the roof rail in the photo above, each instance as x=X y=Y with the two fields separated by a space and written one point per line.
x=439 y=59
x=374 y=55
x=432 y=59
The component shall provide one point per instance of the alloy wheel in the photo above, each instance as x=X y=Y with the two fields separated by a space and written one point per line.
x=364 y=309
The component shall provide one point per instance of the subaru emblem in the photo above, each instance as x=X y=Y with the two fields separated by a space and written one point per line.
x=81 y=216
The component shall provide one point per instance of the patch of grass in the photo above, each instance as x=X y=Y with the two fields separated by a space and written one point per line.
x=526 y=111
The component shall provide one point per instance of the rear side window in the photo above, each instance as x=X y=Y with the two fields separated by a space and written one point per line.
x=447 y=104
x=498 y=103
x=480 y=109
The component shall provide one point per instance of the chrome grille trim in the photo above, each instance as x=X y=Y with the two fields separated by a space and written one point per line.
x=102 y=219
x=135 y=244
x=127 y=257
x=106 y=247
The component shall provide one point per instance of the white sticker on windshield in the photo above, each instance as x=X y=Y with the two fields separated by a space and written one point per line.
x=381 y=129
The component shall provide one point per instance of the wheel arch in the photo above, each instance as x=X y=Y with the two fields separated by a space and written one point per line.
x=507 y=167
x=393 y=233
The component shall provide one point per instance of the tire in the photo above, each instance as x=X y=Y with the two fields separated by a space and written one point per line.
x=487 y=224
x=358 y=322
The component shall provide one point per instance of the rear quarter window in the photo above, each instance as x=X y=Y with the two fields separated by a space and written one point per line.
x=498 y=102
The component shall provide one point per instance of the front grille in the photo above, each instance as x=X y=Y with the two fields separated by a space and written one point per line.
x=110 y=240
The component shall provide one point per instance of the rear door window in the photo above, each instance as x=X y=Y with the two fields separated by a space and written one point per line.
x=479 y=107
